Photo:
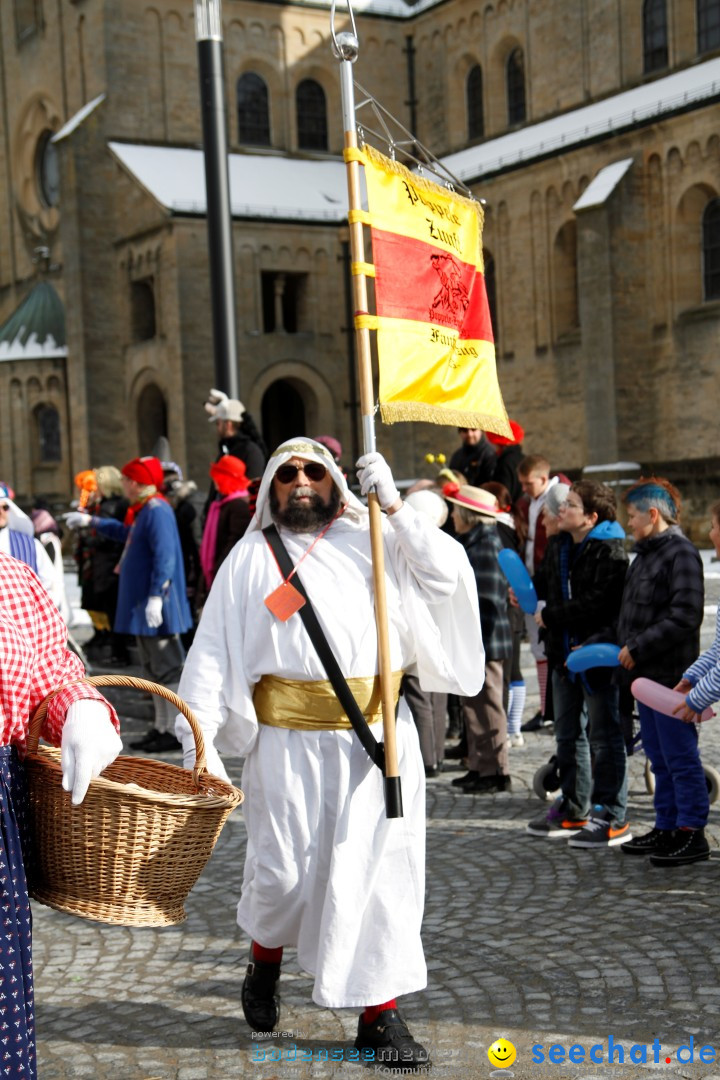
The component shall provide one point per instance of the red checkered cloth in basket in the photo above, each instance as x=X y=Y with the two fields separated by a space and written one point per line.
x=34 y=658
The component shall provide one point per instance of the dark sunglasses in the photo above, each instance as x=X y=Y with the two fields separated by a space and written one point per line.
x=312 y=469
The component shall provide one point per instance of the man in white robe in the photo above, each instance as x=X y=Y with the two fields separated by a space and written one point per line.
x=326 y=870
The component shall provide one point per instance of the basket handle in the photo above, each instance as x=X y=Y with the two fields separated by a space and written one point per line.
x=138 y=684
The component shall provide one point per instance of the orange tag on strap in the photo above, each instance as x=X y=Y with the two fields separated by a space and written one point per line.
x=284 y=601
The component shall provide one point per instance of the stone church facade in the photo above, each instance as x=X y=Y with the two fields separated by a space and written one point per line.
x=602 y=228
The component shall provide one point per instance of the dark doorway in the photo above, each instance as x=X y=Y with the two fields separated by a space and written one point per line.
x=151 y=418
x=283 y=413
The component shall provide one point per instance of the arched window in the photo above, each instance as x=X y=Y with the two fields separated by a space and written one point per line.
x=142 y=309
x=711 y=250
x=474 y=91
x=253 y=110
x=708 y=25
x=311 y=116
x=655 y=35
x=515 y=79
x=47 y=419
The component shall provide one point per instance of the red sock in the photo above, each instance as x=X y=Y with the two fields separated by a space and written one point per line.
x=373 y=1011
x=267 y=956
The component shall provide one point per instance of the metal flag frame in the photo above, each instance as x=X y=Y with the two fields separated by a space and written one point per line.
x=346 y=48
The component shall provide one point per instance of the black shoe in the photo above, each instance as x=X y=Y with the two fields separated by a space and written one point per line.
x=393 y=1044
x=654 y=842
x=260 y=1003
x=432 y=770
x=456 y=753
x=485 y=785
x=468 y=778
x=535 y=723
x=141 y=744
x=688 y=846
x=163 y=743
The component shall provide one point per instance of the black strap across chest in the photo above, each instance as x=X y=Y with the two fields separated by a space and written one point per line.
x=374 y=749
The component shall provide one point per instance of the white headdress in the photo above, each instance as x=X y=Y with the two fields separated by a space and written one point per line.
x=18 y=520
x=302 y=447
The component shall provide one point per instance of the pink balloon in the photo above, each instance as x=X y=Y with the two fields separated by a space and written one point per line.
x=661 y=698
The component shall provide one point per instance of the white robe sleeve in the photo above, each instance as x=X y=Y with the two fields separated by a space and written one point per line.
x=213 y=682
x=440 y=599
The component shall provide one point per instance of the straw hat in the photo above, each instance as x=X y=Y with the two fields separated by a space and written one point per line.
x=472 y=498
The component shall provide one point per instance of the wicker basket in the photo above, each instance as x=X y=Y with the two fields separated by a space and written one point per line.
x=133 y=849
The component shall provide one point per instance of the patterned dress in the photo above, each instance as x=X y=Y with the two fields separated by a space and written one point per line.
x=34 y=661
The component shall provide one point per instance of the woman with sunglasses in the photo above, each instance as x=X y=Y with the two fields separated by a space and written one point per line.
x=325 y=870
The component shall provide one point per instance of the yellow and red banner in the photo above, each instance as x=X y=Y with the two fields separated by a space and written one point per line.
x=434 y=335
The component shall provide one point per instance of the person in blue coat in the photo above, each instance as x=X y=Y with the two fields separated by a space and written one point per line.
x=152 y=601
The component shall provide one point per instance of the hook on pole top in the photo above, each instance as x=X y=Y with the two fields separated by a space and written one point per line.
x=345 y=45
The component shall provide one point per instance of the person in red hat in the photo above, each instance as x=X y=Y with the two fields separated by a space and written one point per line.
x=228 y=517
x=509 y=455
x=152 y=600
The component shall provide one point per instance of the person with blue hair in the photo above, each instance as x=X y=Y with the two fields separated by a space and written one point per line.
x=659 y=631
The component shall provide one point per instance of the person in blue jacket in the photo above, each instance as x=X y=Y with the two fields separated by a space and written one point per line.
x=152 y=601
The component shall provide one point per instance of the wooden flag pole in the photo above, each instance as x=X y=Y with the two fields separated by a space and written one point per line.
x=346 y=50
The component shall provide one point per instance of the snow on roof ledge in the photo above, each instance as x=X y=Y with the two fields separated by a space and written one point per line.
x=615 y=466
x=261 y=185
x=602 y=186
x=77 y=119
x=32 y=349
x=603 y=118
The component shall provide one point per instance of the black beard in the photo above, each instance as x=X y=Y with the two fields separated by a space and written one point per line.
x=305 y=517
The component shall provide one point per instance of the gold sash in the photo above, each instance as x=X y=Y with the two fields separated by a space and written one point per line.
x=312 y=706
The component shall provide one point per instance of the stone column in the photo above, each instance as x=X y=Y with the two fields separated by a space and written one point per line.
x=595 y=300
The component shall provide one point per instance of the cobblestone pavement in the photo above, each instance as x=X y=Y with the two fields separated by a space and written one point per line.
x=525 y=939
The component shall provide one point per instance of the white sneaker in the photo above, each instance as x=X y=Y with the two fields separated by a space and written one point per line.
x=515 y=740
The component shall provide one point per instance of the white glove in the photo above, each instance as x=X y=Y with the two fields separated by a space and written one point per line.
x=214 y=399
x=374 y=472
x=153 y=612
x=89 y=744
x=77 y=520
x=212 y=759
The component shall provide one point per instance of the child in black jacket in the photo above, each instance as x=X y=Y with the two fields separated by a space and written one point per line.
x=581 y=581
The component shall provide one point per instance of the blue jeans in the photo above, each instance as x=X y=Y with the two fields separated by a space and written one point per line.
x=605 y=782
x=681 y=795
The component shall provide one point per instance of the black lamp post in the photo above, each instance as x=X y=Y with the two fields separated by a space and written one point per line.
x=208 y=33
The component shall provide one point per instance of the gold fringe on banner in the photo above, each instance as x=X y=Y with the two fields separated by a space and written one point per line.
x=392 y=412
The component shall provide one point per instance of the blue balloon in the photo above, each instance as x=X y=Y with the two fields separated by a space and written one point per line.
x=591 y=656
x=519 y=580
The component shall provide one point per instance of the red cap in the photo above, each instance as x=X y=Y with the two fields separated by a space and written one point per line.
x=501 y=440
x=147 y=471
x=231 y=470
